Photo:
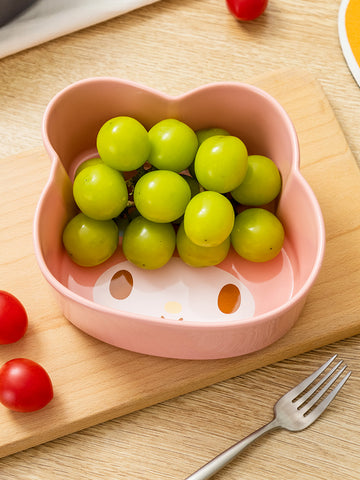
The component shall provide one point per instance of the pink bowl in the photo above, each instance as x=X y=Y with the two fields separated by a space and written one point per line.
x=174 y=311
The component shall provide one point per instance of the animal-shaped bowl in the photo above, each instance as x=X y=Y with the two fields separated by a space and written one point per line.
x=176 y=311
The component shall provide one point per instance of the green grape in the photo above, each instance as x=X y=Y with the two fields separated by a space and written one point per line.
x=205 y=133
x=88 y=163
x=202 y=135
x=194 y=189
x=258 y=235
x=161 y=196
x=123 y=143
x=100 y=192
x=208 y=219
x=262 y=182
x=221 y=163
x=173 y=145
x=147 y=244
x=197 y=256
x=90 y=242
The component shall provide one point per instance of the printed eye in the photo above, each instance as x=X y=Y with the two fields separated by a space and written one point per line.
x=229 y=298
x=121 y=284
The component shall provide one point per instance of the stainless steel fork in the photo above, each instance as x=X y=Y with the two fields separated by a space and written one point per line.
x=296 y=410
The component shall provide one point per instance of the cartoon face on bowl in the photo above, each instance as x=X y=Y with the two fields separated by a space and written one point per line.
x=175 y=291
x=179 y=311
x=232 y=291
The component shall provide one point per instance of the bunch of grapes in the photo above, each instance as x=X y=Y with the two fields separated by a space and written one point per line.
x=173 y=188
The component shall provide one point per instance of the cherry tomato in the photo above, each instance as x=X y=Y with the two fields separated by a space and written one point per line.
x=25 y=385
x=13 y=318
x=246 y=9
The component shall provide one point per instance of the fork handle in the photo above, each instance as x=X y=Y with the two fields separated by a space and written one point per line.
x=219 y=462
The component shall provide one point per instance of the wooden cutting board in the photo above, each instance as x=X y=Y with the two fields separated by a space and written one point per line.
x=95 y=382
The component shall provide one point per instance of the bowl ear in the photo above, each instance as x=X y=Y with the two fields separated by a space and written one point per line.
x=75 y=115
x=248 y=113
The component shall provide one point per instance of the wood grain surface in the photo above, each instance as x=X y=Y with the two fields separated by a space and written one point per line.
x=174 y=46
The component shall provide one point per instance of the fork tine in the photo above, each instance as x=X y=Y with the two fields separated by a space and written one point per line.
x=302 y=399
x=307 y=405
x=296 y=391
x=317 y=411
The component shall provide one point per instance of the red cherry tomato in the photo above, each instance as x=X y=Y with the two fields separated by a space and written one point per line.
x=13 y=318
x=25 y=385
x=246 y=9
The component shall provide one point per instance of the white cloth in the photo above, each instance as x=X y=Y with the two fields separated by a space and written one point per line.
x=49 y=19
